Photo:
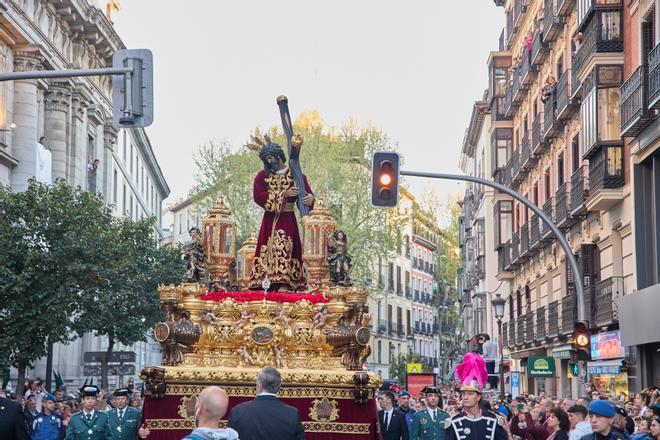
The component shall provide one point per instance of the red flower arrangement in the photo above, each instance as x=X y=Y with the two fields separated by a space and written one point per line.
x=281 y=297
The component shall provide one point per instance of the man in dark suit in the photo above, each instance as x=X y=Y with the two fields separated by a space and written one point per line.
x=266 y=417
x=12 y=421
x=393 y=424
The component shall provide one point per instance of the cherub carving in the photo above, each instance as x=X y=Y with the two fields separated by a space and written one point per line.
x=320 y=318
x=282 y=317
x=243 y=320
x=246 y=357
x=280 y=362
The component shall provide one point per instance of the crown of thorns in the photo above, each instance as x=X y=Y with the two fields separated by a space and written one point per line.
x=257 y=143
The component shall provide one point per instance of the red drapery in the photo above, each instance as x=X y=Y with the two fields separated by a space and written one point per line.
x=166 y=417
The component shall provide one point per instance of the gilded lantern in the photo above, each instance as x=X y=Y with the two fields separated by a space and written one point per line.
x=318 y=226
x=219 y=238
x=245 y=259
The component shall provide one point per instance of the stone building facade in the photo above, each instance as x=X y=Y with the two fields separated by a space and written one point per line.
x=74 y=115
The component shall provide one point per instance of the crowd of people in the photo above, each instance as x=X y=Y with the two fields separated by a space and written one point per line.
x=40 y=415
x=528 y=417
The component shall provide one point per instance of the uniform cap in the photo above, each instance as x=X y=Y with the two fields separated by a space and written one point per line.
x=89 y=391
x=431 y=390
x=49 y=396
x=601 y=408
x=404 y=393
x=122 y=392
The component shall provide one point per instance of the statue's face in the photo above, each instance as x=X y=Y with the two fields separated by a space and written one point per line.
x=274 y=162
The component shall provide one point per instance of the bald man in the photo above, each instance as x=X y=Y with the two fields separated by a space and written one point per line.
x=211 y=406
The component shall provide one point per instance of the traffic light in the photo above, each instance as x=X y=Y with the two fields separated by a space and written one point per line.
x=574 y=369
x=385 y=179
x=581 y=341
x=133 y=92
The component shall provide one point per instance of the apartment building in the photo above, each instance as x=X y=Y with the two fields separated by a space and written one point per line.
x=554 y=97
x=640 y=100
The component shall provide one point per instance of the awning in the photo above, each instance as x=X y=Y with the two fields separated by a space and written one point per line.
x=638 y=316
x=527 y=353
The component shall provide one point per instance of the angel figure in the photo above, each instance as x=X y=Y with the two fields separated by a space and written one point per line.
x=243 y=320
x=246 y=357
x=339 y=259
x=282 y=317
x=208 y=316
x=280 y=362
x=320 y=318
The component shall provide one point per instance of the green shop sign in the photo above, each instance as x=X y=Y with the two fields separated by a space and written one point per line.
x=541 y=366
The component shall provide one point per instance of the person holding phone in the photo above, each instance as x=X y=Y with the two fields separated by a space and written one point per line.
x=527 y=424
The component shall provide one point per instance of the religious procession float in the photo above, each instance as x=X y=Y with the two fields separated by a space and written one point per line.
x=284 y=299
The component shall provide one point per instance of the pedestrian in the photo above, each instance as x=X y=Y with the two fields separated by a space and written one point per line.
x=406 y=406
x=620 y=422
x=393 y=424
x=643 y=429
x=30 y=411
x=210 y=408
x=276 y=420
x=89 y=424
x=559 y=424
x=601 y=417
x=580 y=427
x=655 y=428
x=429 y=423
x=47 y=425
x=125 y=421
x=527 y=424
x=12 y=421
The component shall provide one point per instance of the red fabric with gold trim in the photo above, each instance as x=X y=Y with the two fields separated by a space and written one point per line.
x=165 y=417
x=255 y=295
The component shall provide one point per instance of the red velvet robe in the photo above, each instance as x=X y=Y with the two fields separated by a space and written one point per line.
x=279 y=250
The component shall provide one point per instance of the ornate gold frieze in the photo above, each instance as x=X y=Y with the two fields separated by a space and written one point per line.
x=324 y=410
x=284 y=393
x=320 y=427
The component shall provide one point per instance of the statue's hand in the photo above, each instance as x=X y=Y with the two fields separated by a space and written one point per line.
x=308 y=200
x=292 y=192
x=297 y=141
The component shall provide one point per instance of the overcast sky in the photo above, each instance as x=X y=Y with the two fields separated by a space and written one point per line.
x=412 y=69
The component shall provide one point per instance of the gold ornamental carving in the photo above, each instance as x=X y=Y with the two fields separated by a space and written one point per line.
x=324 y=410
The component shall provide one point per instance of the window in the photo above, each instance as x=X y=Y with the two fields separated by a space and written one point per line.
x=130 y=209
x=503 y=222
x=609 y=114
x=480 y=227
x=575 y=151
x=123 y=199
x=114 y=187
x=600 y=112
x=560 y=169
x=380 y=352
x=124 y=142
x=501 y=142
x=535 y=194
x=547 y=184
x=131 y=159
x=180 y=223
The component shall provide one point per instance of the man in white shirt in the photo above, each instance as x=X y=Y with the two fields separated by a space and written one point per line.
x=490 y=357
x=579 y=426
x=44 y=168
x=393 y=424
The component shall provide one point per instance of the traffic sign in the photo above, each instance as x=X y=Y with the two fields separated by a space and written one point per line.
x=133 y=92
x=115 y=356
x=113 y=370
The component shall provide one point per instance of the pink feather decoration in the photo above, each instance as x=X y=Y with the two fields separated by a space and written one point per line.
x=472 y=368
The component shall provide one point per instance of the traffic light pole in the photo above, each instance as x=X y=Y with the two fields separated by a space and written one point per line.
x=555 y=230
x=40 y=74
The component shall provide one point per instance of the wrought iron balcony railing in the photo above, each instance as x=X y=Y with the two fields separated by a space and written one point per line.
x=549 y=210
x=563 y=217
x=537 y=140
x=553 y=319
x=551 y=22
x=609 y=39
x=604 y=174
x=540 y=324
x=539 y=50
x=550 y=124
x=527 y=69
x=515 y=248
x=520 y=330
x=534 y=232
x=635 y=115
x=525 y=163
x=565 y=106
x=568 y=314
x=512 y=333
x=579 y=191
x=514 y=166
x=505 y=334
x=524 y=241
x=654 y=78
x=529 y=327
x=607 y=292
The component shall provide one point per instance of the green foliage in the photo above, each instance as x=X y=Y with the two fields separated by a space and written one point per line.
x=399 y=366
x=337 y=165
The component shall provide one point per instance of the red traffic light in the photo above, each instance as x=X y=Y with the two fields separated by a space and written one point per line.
x=385 y=179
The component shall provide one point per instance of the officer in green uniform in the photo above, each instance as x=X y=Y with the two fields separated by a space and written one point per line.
x=428 y=423
x=125 y=420
x=89 y=424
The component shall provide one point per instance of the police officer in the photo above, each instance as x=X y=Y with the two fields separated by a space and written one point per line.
x=125 y=420
x=47 y=424
x=429 y=423
x=89 y=424
x=404 y=407
x=473 y=423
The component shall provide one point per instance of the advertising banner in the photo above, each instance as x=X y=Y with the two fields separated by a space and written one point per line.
x=606 y=345
x=415 y=383
x=541 y=366
x=515 y=384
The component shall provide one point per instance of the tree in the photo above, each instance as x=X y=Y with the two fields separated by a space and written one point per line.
x=47 y=266
x=336 y=162
x=124 y=305
x=399 y=366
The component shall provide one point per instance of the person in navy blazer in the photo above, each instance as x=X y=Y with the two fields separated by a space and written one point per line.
x=266 y=417
x=13 y=425
x=393 y=424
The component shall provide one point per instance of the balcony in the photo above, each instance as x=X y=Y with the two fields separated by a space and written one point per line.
x=524 y=241
x=399 y=289
x=607 y=292
x=606 y=178
x=514 y=166
x=609 y=40
x=539 y=50
x=548 y=210
x=540 y=324
x=635 y=116
x=519 y=8
x=520 y=330
x=527 y=70
x=399 y=330
x=564 y=7
x=529 y=327
x=568 y=314
x=579 y=192
x=551 y=22
x=654 y=78
x=553 y=319
x=408 y=293
x=525 y=162
x=550 y=124
x=417 y=326
x=515 y=248
x=509 y=108
x=505 y=334
x=509 y=27
x=534 y=233
x=563 y=217
x=537 y=140
x=565 y=106
x=382 y=326
x=506 y=257
x=512 y=333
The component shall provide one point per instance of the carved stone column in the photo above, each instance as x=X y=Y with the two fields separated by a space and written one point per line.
x=77 y=157
x=25 y=116
x=110 y=134
x=57 y=106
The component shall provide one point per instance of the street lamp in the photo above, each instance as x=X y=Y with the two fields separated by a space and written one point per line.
x=498 y=304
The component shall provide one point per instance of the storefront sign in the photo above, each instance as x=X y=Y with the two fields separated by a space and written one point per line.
x=543 y=366
x=515 y=384
x=604 y=369
x=606 y=345
x=563 y=352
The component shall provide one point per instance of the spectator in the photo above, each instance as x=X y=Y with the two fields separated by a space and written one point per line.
x=601 y=416
x=210 y=408
x=559 y=424
x=642 y=402
x=47 y=425
x=393 y=425
x=655 y=428
x=528 y=42
x=406 y=408
x=276 y=419
x=579 y=426
x=566 y=404
x=30 y=410
x=547 y=405
x=620 y=422
x=527 y=424
x=12 y=421
x=643 y=430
